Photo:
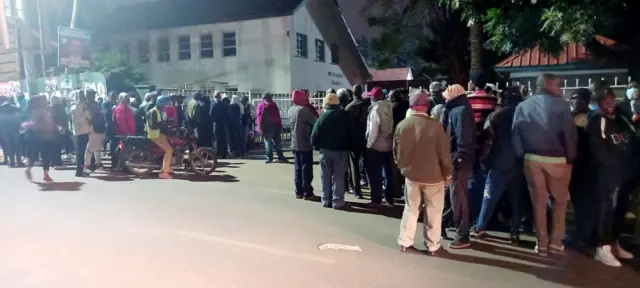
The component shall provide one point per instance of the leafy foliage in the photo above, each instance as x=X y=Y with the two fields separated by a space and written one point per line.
x=110 y=62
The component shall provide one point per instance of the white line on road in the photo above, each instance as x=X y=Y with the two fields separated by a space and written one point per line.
x=256 y=247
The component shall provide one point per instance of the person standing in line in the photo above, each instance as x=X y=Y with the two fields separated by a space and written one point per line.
x=544 y=133
x=81 y=116
x=462 y=132
x=219 y=112
x=10 y=131
x=611 y=142
x=107 y=109
x=99 y=128
x=270 y=125
x=332 y=135
x=379 y=148
x=423 y=154
x=358 y=111
x=61 y=120
x=236 y=110
x=248 y=121
x=436 y=88
x=302 y=120
x=44 y=135
x=503 y=166
x=483 y=102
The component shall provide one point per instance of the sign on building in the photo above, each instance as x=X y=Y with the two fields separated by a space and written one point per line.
x=74 y=48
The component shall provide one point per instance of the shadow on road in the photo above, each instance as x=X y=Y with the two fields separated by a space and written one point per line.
x=114 y=177
x=572 y=270
x=365 y=208
x=226 y=178
x=60 y=186
x=222 y=164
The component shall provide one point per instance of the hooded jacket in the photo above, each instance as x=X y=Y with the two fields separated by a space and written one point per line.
x=333 y=131
x=462 y=131
x=612 y=143
x=268 y=117
x=124 y=120
x=302 y=120
x=81 y=116
x=358 y=111
x=380 y=127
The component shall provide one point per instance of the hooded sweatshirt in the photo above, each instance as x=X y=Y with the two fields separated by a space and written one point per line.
x=302 y=120
x=612 y=143
x=81 y=116
x=380 y=127
x=268 y=117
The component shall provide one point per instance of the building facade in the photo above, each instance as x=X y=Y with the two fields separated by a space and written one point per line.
x=275 y=53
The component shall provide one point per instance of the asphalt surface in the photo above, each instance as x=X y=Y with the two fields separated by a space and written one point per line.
x=241 y=227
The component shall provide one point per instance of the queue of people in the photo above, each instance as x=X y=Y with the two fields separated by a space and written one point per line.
x=41 y=128
x=536 y=152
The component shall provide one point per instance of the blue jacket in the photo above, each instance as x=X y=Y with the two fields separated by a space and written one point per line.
x=461 y=127
x=543 y=126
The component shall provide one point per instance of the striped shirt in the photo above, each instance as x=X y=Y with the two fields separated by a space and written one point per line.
x=482 y=105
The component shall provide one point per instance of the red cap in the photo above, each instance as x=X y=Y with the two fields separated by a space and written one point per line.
x=376 y=93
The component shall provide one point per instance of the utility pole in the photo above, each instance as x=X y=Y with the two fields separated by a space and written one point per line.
x=41 y=31
x=74 y=22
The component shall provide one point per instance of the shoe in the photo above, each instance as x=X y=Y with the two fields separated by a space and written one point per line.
x=343 y=207
x=359 y=197
x=165 y=175
x=515 y=239
x=542 y=251
x=82 y=174
x=298 y=196
x=603 y=254
x=326 y=205
x=478 y=233
x=309 y=197
x=375 y=205
x=27 y=173
x=557 y=250
x=437 y=252
x=460 y=243
x=620 y=253
x=283 y=160
x=47 y=179
x=387 y=204
x=410 y=249
x=268 y=161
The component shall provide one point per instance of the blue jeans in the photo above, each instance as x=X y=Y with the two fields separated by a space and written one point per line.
x=333 y=167
x=477 y=183
x=499 y=181
x=303 y=163
x=269 y=142
x=376 y=163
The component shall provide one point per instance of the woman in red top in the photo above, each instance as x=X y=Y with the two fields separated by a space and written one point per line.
x=123 y=116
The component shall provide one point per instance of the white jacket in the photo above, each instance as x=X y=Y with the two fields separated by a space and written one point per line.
x=81 y=119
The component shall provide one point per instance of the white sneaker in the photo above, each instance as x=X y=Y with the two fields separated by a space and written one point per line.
x=603 y=254
x=619 y=252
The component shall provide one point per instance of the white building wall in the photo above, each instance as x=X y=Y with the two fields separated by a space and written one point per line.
x=307 y=72
x=262 y=61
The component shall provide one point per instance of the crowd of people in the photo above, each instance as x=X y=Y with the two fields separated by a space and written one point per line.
x=480 y=144
x=49 y=129
x=450 y=152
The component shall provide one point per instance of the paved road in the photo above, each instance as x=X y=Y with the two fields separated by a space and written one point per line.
x=240 y=228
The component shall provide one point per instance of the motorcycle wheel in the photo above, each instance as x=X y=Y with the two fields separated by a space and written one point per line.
x=138 y=157
x=203 y=161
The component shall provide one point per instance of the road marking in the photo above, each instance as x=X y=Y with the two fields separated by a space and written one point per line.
x=334 y=246
x=256 y=247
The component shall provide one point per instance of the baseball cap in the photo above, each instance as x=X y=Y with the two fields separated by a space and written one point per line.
x=419 y=98
x=376 y=93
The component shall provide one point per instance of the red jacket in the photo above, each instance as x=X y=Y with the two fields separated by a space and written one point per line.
x=124 y=120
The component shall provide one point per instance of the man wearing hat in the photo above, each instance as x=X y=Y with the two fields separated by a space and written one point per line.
x=423 y=154
x=379 y=146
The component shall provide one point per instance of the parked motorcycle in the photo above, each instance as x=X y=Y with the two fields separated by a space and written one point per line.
x=143 y=156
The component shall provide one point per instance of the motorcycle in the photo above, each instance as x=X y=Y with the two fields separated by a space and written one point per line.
x=143 y=156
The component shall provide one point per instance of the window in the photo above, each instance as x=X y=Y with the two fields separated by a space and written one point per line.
x=228 y=44
x=184 y=48
x=206 y=46
x=143 y=51
x=301 y=45
x=124 y=49
x=335 y=54
x=164 y=50
x=320 y=50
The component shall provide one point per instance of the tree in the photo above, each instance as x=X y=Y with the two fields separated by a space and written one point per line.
x=110 y=62
x=422 y=34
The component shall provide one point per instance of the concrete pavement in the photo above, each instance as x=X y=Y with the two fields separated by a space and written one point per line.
x=240 y=228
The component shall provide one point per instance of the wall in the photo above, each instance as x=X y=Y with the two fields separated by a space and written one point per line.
x=262 y=60
x=307 y=72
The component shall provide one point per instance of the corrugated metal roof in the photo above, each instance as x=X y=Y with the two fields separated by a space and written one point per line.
x=172 y=13
x=392 y=74
x=572 y=53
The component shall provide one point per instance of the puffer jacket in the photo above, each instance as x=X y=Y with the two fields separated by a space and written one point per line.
x=380 y=127
x=124 y=120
